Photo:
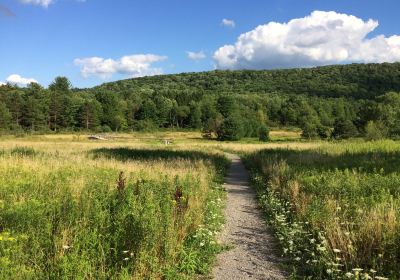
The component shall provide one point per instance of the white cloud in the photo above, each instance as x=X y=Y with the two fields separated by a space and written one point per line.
x=319 y=39
x=43 y=3
x=16 y=79
x=134 y=65
x=2 y=84
x=196 y=55
x=228 y=22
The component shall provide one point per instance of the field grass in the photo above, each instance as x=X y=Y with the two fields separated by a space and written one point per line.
x=67 y=211
x=74 y=209
x=335 y=207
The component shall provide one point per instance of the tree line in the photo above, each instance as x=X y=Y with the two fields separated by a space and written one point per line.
x=334 y=101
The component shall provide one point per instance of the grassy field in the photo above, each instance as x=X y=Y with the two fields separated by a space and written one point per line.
x=335 y=207
x=71 y=208
x=74 y=209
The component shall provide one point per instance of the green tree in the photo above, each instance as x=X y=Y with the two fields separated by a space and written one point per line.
x=263 y=133
x=344 y=129
x=35 y=107
x=231 y=129
x=389 y=112
x=5 y=117
x=375 y=130
x=90 y=113
x=195 y=115
x=59 y=92
x=226 y=105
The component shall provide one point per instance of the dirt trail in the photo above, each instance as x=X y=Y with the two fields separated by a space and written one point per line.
x=254 y=254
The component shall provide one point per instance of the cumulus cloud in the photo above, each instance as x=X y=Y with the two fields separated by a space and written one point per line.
x=43 y=3
x=16 y=79
x=319 y=39
x=228 y=22
x=196 y=55
x=134 y=65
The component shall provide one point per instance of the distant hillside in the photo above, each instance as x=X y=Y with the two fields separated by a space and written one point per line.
x=360 y=81
x=338 y=101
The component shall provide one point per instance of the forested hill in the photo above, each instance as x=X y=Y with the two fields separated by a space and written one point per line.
x=338 y=101
x=360 y=81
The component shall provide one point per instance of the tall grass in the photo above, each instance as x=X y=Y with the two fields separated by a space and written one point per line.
x=81 y=212
x=335 y=208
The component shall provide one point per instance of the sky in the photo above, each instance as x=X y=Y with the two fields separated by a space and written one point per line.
x=97 y=41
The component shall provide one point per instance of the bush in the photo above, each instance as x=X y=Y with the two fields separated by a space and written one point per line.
x=106 y=128
x=323 y=132
x=144 y=125
x=263 y=134
x=375 y=131
x=231 y=129
x=344 y=129
x=309 y=131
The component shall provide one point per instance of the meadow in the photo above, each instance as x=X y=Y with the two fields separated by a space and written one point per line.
x=335 y=207
x=118 y=209
x=132 y=207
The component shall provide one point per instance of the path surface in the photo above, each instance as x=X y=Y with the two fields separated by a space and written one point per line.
x=254 y=254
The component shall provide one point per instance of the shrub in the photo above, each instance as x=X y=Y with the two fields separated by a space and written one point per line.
x=375 y=131
x=231 y=129
x=344 y=129
x=264 y=134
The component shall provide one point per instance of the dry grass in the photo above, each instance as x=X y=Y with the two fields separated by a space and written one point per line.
x=61 y=171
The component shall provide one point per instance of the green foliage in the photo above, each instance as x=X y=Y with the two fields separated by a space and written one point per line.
x=263 y=134
x=5 y=117
x=55 y=224
x=334 y=208
x=310 y=99
x=231 y=129
x=344 y=129
x=389 y=112
x=375 y=131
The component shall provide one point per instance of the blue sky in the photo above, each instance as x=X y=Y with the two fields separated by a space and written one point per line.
x=40 y=40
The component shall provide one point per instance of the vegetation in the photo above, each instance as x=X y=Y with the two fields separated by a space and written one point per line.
x=102 y=211
x=335 y=208
x=334 y=101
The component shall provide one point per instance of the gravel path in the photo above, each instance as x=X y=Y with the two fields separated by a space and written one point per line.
x=253 y=255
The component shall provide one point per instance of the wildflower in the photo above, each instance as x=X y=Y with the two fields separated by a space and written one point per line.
x=201 y=244
x=381 y=278
x=126 y=259
x=357 y=270
x=321 y=248
x=66 y=247
x=125 y=252
x=297 y=259
x=329 y=271
x=336 y=250
x=349 y=274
